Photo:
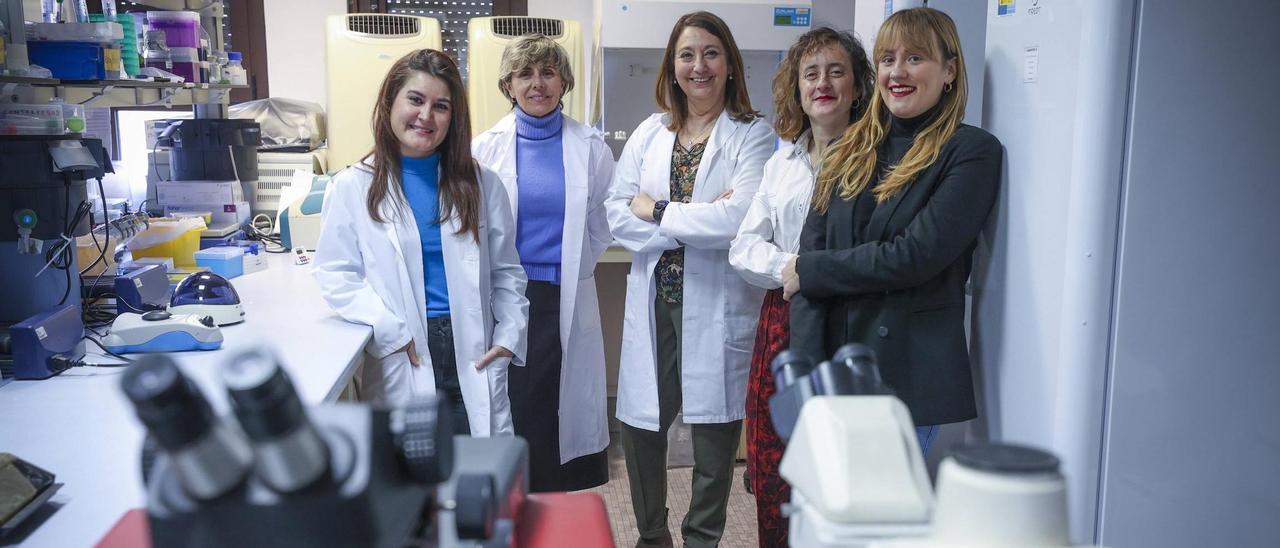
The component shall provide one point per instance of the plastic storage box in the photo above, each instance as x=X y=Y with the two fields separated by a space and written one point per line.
x=23 y=119
x=181 y=28
x=226 y=261
x=181 y=249
x=69 y=60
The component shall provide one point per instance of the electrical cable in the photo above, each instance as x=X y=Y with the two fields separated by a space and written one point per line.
x=98 y=343
x=266 y=236
x=59 y=256
x=106 y=245
x=106 y=237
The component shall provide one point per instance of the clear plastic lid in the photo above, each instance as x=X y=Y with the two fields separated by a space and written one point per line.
x=220 y=253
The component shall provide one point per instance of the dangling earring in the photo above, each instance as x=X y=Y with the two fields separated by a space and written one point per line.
x=730 y=76
x=946 y=88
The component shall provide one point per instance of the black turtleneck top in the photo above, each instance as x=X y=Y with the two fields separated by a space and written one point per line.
x=902 y=131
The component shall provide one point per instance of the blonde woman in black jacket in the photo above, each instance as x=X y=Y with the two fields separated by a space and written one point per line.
x=886 y=250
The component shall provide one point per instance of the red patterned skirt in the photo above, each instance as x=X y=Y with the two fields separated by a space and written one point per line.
x=764 y=448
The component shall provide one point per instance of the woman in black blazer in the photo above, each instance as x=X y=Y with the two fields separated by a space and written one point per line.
x=886 y=250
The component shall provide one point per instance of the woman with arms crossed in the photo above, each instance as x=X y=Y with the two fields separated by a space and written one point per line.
x=821 y=87
x=556 y=172
x=898 y=208
x=417 y=241
x=681 y=188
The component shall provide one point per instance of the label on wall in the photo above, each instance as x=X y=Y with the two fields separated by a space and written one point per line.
x=1031 y=64
x=1005 y=7
x=791 y=17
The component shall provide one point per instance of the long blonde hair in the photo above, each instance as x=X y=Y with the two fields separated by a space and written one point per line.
x=850 y=163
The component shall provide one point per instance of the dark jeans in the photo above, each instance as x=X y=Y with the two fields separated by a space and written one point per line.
x=444 y=366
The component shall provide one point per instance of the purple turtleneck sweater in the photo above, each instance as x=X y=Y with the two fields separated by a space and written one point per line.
x=540 y=183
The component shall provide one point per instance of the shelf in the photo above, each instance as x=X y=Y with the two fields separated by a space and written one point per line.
x=121 y=93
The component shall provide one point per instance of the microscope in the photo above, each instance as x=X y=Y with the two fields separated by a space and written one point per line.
x=858 y=478
x=273 y=472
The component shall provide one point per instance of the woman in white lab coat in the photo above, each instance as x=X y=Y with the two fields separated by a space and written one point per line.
x=556 y=172
x=680 y=190
x=418 y=242
x=821 y=86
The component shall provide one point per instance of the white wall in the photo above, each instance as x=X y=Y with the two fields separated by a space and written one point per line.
x=295 y=47
x=1056 y=87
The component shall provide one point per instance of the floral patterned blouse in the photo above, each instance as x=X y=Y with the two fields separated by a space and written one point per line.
x=670 y=269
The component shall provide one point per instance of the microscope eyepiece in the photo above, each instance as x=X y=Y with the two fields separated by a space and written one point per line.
x=861 y=361
x=290 y=454
x=209 y=457
x=788 y=366
x=168 y=404
x=266 y=403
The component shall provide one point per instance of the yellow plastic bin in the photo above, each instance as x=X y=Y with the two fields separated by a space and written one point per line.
x=167 y=237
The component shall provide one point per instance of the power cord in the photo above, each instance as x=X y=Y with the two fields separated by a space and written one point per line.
x=58 y=364
x=98 y=343
x=260 y=229
x=59 y=256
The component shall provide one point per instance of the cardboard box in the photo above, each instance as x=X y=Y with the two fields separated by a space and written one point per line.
x=225 y=214
x=198 y=193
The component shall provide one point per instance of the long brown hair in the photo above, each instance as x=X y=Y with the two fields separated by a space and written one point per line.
x=459 y=184
x=673 y=101
x=790 y=120
x=851 y=160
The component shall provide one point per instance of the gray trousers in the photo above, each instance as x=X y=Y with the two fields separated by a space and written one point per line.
x=714 y=446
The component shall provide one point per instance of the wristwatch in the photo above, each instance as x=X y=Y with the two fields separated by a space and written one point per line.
x=659 y=208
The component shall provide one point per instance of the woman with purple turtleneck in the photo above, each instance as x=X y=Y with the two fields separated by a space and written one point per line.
x=557 y=173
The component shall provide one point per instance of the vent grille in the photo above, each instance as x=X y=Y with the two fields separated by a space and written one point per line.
x=383 y=25
x=453 y=16
x=511 y=27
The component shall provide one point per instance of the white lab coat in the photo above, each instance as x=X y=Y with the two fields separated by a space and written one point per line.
x=720 y=309
x=770 y=234
x=371 y=273
x=588 y=169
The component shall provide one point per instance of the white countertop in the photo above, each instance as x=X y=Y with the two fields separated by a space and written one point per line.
x=80 y=426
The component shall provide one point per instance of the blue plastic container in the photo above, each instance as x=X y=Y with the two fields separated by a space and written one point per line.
x=227 y=262
x=68 y=60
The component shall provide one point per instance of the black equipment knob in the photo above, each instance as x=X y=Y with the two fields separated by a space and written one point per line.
x=1006 y=459
x=423 y=430
x=476 y=507
x=156 y=315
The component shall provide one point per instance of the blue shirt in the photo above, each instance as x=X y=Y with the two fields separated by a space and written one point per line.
x=420 y=179
x=540 y=187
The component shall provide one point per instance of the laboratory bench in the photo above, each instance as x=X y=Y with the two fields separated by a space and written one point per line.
x=79 y=425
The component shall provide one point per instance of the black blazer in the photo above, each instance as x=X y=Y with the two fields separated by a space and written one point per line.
x=901 y=292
